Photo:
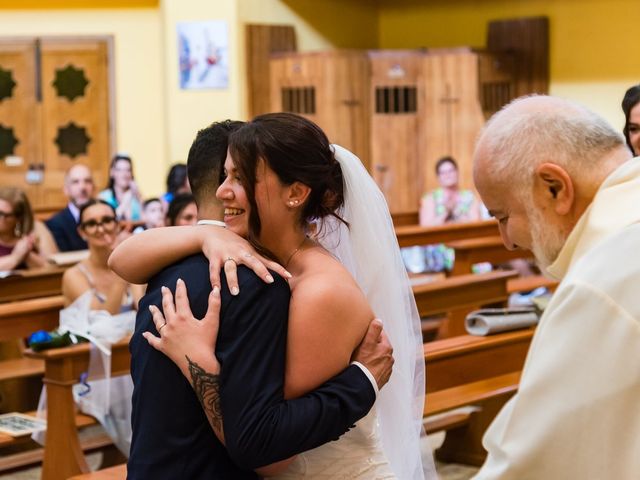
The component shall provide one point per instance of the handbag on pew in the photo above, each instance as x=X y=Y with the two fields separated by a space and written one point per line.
x=487 y=321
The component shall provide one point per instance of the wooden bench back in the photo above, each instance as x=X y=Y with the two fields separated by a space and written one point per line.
x=36 y=283
x=20 y=319
x=63 y=455
x=463 y=291
x=476 y=250
x=410 y=235
x=466 y=359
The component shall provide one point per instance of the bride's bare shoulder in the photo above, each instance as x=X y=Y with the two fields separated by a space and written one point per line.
x=330 y=291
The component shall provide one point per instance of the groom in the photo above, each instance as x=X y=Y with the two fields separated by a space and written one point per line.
x=172 y=438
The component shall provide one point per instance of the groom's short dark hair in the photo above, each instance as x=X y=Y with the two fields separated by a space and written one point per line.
x=206 y=159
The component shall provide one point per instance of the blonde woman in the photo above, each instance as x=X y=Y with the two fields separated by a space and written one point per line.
x=24 y=241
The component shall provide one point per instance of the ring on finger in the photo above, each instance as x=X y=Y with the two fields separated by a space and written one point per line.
x=161 y=326
x=229 y=259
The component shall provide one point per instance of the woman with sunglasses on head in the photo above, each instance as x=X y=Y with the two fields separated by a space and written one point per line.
x=24 y=241
x=99 y=227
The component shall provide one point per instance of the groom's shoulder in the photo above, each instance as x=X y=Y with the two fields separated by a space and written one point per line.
x=257 y=298
x=193 y=267
x=248 y=280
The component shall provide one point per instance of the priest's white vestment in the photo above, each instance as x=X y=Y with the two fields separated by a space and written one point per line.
x=577 y=412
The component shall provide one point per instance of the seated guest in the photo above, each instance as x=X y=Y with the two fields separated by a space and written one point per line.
x=446 y=204
x=177 y=182
x=79 y=189
x=152 y=215
x=24 y=241
x=99 y=227
x=122 y=192
x=182 y=210
x=631 y=109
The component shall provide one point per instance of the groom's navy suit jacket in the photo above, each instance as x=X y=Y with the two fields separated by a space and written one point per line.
x=172 y=438
x=65 y=231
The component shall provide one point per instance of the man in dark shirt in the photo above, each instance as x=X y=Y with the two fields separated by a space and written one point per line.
x=79 y=188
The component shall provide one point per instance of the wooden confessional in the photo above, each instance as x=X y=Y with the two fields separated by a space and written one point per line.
x=329 y=88
x=402 y=110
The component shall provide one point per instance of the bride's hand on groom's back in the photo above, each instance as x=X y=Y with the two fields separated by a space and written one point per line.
x=376 y=353
x=226 y=250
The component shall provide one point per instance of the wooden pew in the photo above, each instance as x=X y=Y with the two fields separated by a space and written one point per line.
x=410 y=235
x=477 y=250
x=119 y=472
x=466 y=370
x=20 y=319
x=457 y=296
x=19 y=375
x=460 y=371
x=405 y=218
x=63 y=452
x=525 y=284
x=36 y=283
x=17 y=321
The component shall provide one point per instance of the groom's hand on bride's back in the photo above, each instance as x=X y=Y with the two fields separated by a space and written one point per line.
x=376 y=353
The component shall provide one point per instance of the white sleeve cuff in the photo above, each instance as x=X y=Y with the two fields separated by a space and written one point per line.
x=368 y=374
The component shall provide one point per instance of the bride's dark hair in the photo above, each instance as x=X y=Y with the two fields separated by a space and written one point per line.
x=297 y=150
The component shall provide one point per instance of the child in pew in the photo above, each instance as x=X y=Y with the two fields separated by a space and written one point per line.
x=24 y=241
x=152 y=215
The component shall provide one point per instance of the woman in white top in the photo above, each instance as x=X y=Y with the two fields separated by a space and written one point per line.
x=99 y=227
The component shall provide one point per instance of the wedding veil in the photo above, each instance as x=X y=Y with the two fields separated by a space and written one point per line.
x=368 y=248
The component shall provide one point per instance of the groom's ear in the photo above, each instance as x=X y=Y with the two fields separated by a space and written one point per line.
x=297 y=194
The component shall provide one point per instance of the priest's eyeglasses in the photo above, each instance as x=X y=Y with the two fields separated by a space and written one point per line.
x=108 y=224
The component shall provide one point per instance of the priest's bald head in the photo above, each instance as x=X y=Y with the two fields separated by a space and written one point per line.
x=538 y=164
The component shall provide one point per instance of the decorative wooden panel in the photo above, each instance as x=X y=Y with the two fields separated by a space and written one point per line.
x=336 y=84
x=397 y=92
x=75 y=102
x=496 y=74
x=453 y=114
x=60 y=112
x=19 y=114
x=528 y=40
x=261 y=42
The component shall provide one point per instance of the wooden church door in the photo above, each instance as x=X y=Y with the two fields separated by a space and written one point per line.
x=55 y=111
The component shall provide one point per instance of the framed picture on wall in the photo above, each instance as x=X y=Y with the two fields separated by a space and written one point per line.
x=203 y=54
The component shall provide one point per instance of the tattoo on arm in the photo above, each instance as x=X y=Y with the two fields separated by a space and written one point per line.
x=207 y=388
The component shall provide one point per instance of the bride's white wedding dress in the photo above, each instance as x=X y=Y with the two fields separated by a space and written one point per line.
x=357 y=454
x=385 y=444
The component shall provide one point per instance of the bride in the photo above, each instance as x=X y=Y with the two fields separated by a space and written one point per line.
x=313 y=207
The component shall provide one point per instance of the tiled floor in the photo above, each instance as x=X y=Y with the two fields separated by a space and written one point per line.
x=445 y=471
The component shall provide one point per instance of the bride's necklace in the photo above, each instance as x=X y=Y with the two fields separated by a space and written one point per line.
x=294 y=252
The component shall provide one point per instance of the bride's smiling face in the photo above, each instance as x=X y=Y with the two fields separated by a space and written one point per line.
x=270 y=198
